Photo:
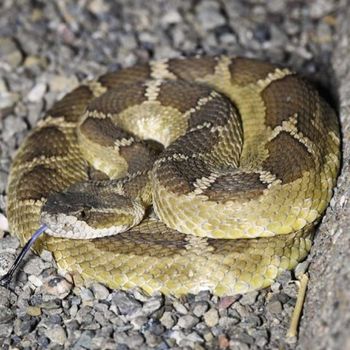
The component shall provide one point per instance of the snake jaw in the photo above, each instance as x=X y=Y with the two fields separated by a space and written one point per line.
x=69 y=226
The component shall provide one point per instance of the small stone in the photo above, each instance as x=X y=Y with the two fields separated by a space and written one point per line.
x=100 y=291
x=4 y=224
x=46 y=256
x=301 y=269
x=138 y=322
x=274 y=307
x=275 y=287
x=33 y=311
x=187 y=321
x=183 y=339
x=9 y=52
x=35 y=280
x=5 y=330
x=57 y=286
x=6 y=315
x=200 y=308
x=152 y=305
x=98 y=6
x=224 y=342
x=209 y=15
x=171 y=17
x=86 y=295
x=180 y=308
x=56 y=334
x=284 y=277
x=167 y=320
x=249 y=298
x=37 y=92
x=125 y=303
x=60 y=83
x=237 y=344
x=85 y=340
x=5 y=295
x=228 y=322
x=211 y=317
x=226 y=302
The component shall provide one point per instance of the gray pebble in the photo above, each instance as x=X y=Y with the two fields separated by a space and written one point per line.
x=5 y=295
x=5 y=331
x=301 y=268
x=209 y=15
x=34 y=266
x=200 y=308
x=37 y=92
x=180 y=308
x=274 y=307
x=187 y=321
x=138 y=322
x=57 y=286
x=6 y=314
x=211 y=317
x=9 y=52
x=9 y=244
x=168 y=320
x=86 y=295
x=249 y=298
x=125 y=303
x=152 y=305
x=100 y=291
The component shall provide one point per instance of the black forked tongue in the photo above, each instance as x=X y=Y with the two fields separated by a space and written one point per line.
x=6 y=279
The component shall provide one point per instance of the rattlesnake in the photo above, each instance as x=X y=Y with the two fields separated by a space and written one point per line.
x=238 y=157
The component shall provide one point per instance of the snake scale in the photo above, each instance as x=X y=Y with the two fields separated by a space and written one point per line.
x=238 y=159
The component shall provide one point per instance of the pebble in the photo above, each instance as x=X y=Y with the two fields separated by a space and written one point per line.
x=9 y=52
x=180 y=308
x=151 y=306
x=249 y=298
x=200 y=308
x=187 y=321
x=33 y=311
x=274 y=307
x=211 y=317
x=125 y=303
x=100 y=291
x=6 y=315
x=37 y=92
x=86 y=295
x=168 y=320
x=57 y=286
x=56 y=334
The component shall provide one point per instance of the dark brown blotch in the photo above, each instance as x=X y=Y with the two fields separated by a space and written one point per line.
x=137 y=156
x=117 y=100
x=217 y=111
x=192 y=68
x=181 y=95
x=102 y=131
x=245 y=70
x=73 y=105
x=179 y=176
x=46 y=142
x=235 y=186
x=124 y=76
x=199 y=141
x=288 y=158
x=38 y=183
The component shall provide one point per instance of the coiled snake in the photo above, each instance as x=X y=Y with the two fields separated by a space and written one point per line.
x=238 y=157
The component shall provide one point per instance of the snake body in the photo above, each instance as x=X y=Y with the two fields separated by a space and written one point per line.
x=238 y=157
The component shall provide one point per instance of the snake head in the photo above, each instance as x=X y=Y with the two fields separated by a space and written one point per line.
x=89 y=211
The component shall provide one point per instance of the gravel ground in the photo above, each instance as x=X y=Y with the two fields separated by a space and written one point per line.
x=47 y=48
